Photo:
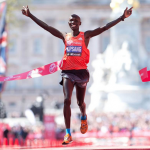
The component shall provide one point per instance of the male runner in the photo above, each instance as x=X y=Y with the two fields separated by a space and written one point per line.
x=74 y=63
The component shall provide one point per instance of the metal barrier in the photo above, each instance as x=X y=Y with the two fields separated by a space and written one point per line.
x=38 y=143
x=141 y=138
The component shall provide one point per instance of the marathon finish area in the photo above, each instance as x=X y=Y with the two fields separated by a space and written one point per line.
x=88 y=148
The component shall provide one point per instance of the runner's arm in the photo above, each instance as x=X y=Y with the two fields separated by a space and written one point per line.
x=92 y=33
x=53 y=31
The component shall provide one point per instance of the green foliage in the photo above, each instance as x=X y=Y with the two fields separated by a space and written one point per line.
x=12 y=7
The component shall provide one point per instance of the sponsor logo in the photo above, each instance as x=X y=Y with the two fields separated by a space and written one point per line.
x=8 y=78
x=69 y=42
x=11 y=77
x=52 y=67
x=80 y=39
x=34 y=73
x=142 y=74
x=29 y=74
x=77 y=43
x=73 y=54
x=74 y=49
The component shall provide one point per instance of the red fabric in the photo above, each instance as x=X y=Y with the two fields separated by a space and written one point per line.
x=76 y=55
x=143 y=74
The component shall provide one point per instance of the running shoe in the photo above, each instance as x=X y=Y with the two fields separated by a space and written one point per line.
x=84 y=126
x=67 y=139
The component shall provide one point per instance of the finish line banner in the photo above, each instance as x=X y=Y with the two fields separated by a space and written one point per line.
x=38 y=72
x=145 y=75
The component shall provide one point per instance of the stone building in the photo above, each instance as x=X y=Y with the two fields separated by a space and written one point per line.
x=32 y=47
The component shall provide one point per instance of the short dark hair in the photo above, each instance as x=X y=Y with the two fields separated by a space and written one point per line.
x=74 y=15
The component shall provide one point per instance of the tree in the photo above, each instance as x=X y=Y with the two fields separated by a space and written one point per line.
x=12 y=7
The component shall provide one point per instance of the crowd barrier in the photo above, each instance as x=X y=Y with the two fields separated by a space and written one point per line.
x=99 y=134
x=134 y=138
x=38 y=143
x=141 y=138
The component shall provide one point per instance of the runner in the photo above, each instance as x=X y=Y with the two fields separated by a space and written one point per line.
x=74 y=63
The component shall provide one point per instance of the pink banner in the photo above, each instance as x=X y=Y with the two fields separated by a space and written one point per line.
x=145 y=75
x=41 y=71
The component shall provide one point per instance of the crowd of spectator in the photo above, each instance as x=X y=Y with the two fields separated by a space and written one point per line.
x=22 y=133
x=128 y=121
x=138 y=120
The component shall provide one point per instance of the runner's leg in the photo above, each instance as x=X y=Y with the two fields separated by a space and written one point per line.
x=80 y=94
x=67 y=89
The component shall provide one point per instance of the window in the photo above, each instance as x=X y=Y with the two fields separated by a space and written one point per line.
x=11 y=85
x=37 y=46
x=147 y=44
x=12 y=47
x=145 y=1
x=37 y=82
x=12 y=104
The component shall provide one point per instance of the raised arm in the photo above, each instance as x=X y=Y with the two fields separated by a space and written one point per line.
x=92 y=33
x=53 y=31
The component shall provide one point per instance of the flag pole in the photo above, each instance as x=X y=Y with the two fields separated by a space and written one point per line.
x=2 y=107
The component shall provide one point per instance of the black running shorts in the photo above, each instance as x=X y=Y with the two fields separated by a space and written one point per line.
x=78 y=77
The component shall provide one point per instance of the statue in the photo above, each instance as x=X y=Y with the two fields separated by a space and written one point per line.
x=117 y=72
x=99 y=83
x=123 y=69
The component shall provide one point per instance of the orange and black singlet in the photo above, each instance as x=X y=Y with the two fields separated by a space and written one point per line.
x=76 y=55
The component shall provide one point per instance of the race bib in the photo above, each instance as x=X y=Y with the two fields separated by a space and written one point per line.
x=74 y=50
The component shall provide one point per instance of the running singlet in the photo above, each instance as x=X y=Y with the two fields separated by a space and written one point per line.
x=76 y=55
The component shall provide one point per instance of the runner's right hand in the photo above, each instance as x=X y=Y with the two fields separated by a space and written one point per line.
x=25 y=11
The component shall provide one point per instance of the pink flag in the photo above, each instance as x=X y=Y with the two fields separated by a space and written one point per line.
x=145 y=75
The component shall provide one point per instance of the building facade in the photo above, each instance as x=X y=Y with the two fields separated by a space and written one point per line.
x=32 y=47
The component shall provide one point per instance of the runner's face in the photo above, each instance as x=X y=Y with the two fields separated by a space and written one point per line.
x=74 y=22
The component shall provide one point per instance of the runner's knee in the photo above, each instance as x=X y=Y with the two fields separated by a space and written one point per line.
x=80 y=103
x=67 y=101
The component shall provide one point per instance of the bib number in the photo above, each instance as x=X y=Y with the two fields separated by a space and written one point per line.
x=74 y=50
